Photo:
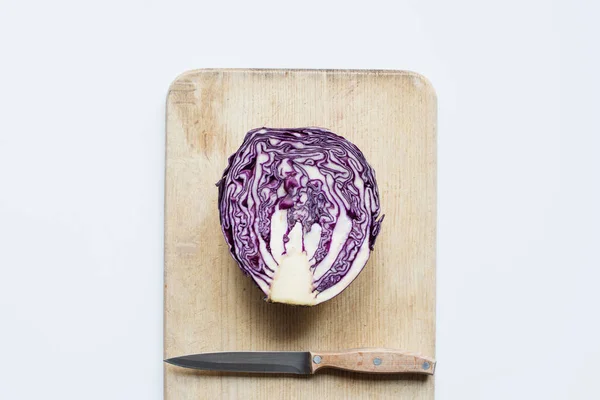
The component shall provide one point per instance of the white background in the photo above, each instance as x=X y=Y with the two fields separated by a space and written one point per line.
x=82 y=96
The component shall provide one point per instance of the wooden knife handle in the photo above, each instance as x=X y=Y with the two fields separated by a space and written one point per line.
x=384 y=361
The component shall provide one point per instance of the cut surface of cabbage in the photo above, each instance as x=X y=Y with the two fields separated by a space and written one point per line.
x=299 y=209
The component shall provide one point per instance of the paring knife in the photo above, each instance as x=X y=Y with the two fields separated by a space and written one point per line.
x=372 y=360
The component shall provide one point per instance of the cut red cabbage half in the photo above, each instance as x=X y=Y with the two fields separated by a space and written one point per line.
x=299 y=210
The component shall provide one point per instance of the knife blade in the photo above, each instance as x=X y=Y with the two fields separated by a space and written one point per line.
x=370 y=360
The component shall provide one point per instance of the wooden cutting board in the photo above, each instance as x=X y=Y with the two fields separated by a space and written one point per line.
x=211 y=306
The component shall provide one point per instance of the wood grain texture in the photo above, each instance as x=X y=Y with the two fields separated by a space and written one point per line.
x=211 y=306
x=376 y=361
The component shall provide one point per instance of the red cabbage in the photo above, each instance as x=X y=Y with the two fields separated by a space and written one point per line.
x=299 y=210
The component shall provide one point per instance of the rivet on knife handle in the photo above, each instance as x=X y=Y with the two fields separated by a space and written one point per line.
x=384 y=361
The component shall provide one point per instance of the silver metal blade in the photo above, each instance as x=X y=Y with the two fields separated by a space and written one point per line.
x=289 y=362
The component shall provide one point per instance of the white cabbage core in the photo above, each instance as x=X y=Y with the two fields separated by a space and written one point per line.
x=293 y=279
